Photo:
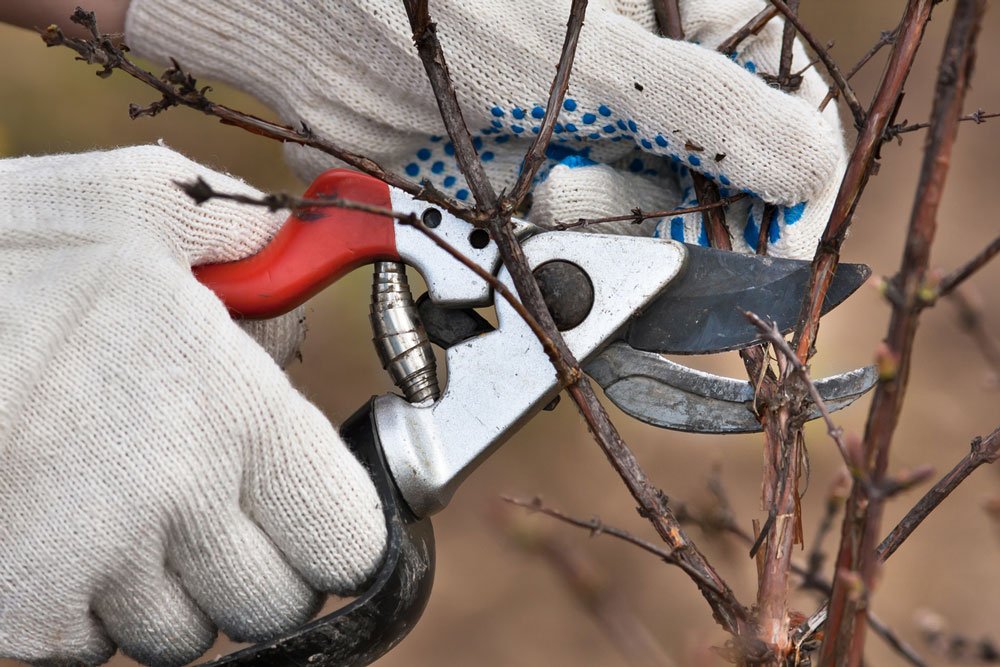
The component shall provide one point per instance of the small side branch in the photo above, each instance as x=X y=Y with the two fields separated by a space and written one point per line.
x=831 y=66
x=177 y=88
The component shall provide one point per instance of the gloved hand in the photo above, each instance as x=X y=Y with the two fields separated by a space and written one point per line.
x=159 y=476
x=640 y=111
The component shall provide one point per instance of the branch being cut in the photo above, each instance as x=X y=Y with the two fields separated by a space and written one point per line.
x=652 y=502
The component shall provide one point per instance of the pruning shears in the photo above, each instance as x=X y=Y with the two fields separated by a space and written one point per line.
x=619 y=301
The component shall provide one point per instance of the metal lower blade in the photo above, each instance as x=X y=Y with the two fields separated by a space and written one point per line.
x=669 y=395
x=702 y=310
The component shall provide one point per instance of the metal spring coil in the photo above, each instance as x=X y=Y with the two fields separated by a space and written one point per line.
x=400 y=340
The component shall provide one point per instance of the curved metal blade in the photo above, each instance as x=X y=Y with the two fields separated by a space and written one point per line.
x=702 y=310
x=666 y=394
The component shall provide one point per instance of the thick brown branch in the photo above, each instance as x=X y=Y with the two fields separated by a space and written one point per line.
x=844 y=643
x=859 y=169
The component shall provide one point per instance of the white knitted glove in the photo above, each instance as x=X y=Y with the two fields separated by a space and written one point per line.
x=159 y=476
x=639 y=103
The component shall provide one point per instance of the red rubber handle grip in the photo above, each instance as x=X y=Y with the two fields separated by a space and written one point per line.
x=312 y=249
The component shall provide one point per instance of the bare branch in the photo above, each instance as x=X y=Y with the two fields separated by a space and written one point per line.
x=535 y=156
x=178 y=88
x=838 y=78
x=752 y=27
x=961 y=274
x=638 y=215
x=859 y=169
x=844 y=643
x=432 y=56
x=200 y=191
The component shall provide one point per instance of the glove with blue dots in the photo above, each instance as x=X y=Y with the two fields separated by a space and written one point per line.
x=641 y=112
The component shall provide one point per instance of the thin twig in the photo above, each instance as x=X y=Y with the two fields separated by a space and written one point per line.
x=887 y=37
x=752 y=27
x=981 y=451
x=828 y=62
x=535 y=156
x=638 y=215
x=978 y=117
x=961 y=274
x=178 y=88
x=844 y=642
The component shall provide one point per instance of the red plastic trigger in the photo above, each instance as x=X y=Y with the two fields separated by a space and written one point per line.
x=314 y=248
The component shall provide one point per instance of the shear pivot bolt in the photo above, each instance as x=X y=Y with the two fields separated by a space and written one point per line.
x=568 y=292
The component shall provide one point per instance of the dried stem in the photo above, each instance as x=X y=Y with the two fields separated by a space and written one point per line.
x=887 y=37
x=178 y=88
x=824 y=55
x=638 y=215
x=856 y=560
x=961 y=274
x=771 y=333
x=752 y=27
x=535 y=156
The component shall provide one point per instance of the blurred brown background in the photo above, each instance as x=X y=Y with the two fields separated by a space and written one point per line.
x=494 y=604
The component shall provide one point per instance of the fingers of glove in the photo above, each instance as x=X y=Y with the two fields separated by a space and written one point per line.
x=238 y=577
x=699 y=106
x=792 y=232
x=573 y=191
x=59 y=641
x=315 y=501
x=153 y=620
x=121 y=193
x=281 y=336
